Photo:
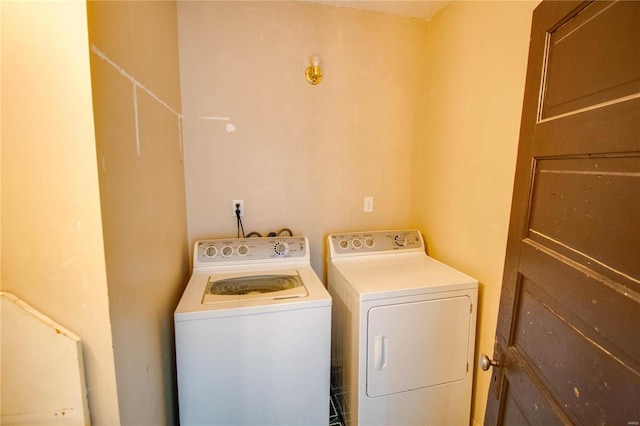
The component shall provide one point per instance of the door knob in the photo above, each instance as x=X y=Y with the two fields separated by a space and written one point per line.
x=486 y=362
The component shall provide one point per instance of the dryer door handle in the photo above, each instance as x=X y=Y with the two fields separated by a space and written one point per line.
x=380 y=352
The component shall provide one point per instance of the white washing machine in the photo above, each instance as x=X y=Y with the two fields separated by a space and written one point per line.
x=403 y=331
x=253 y=330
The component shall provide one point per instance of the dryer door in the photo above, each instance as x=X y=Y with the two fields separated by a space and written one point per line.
x=416 y=345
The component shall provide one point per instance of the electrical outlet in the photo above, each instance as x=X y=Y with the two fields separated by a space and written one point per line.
x=368 y=204
x=233 y=207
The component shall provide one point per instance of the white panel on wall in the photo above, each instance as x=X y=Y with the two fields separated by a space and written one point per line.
x=42 y=368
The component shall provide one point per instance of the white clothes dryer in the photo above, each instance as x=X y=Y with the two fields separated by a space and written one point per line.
x=253 y=334
x=403 y=331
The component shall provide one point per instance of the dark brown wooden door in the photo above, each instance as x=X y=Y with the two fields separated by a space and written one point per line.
x=568 y=335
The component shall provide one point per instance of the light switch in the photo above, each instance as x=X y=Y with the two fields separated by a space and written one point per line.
x=368 y=204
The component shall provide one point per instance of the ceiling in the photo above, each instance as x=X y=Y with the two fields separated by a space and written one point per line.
x=422 y=9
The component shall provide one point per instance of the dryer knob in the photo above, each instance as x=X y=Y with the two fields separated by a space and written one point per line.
x=281 y=248
x=400 y=240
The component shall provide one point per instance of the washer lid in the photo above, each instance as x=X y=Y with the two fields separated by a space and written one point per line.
x=191 y=307
x=383 y=276
x=251 y=287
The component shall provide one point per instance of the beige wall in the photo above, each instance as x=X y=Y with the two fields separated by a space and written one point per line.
x=477 y=57
x=301 y=156
x=305 y=156
x=423 y=116
x=52 y=246
x=136 y=89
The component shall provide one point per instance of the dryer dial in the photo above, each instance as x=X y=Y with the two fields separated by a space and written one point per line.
x=400 y=240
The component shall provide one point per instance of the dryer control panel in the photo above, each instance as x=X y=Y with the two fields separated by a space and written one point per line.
x=375 y=242
x=262 y=249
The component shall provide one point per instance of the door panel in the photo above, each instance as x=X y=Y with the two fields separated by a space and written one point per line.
x=567 y=337
x=560 y=363
x=416 y=345
x=598 y=304
x=539 y=409
x=591 y=132
x=590 y=208
x=587 y=63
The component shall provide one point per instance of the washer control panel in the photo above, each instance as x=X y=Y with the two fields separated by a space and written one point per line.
x=352 y=243
x=222 y=250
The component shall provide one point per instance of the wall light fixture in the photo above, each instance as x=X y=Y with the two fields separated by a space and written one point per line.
x=313 y=74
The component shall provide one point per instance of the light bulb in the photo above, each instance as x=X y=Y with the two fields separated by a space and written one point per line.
x=313 y=73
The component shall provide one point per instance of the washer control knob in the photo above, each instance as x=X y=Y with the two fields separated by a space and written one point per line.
x=243 y=250
x=227 y=251
x=400 y=240
x=356 y=243
x=210 y=251
x=281 y=248
x=369 y=242
x=344 y=244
